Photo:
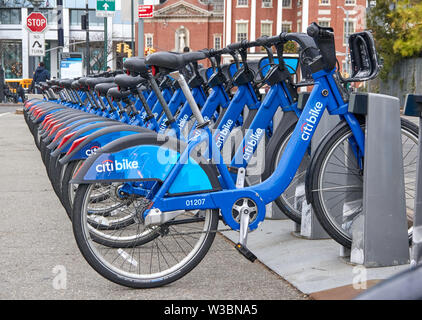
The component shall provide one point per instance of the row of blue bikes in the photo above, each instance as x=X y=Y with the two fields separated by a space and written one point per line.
x=152 y=161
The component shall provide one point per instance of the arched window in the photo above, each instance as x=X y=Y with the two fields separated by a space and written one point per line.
x=181 y=39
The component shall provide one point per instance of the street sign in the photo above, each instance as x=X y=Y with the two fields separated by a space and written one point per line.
x=71 y=65
x=106 y=8
x=36 y=44
x=145 y=11
x=36 y=22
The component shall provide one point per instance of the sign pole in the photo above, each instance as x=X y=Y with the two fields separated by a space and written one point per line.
x=88 y=54
x=141 y=34
x=105 y=42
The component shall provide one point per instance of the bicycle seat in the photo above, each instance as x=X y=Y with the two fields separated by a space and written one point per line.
x=127 y=82
x=66 y=83
x=174 y=60
x=136 y=65
x=76 y=85
x=103 y=88
x=92 y=82
x=116 y=94
x=82 y=82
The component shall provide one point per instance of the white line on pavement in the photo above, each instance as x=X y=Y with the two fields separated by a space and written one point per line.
x=4 y=114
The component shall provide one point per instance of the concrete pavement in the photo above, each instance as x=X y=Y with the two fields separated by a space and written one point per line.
x=38 y=249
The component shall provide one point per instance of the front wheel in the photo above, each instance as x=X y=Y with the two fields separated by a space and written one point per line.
x=335 y=180
x=147 y=256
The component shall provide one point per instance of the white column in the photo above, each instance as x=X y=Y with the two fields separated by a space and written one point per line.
x=305 y=15
x=279 y=16
x=229 y=23
x=66 y=29
x=25 y=46
x=252 y=36
x=53 y=64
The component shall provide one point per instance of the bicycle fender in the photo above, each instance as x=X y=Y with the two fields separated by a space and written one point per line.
x=142 y=157
x=99 y=139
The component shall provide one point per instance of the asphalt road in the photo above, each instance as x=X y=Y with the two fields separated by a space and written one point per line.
x=39 y=258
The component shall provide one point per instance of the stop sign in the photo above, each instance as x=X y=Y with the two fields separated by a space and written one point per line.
x=36 y=22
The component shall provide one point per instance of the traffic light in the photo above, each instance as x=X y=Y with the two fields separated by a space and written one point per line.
x=119 y=47
x=84 y=22
x=127 y=50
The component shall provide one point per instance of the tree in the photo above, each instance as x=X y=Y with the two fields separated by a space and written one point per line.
x=397 y=29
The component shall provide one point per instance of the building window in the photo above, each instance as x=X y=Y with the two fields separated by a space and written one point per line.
x=50 y=14
x=324 y=2
x=350 y=2
x=324 y=23
x=11 y=58
x=10 y=16
x=241 y=31
x=76 y=18
x=217 y=41
x=242 y=3
x=299 y=26
x=287 y=3
x=350 y=26
x=266 y=29
x=149 y=40
x=286 y=27
x=267 y=3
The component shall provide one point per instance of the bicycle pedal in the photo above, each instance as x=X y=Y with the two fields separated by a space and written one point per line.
x=245 y=252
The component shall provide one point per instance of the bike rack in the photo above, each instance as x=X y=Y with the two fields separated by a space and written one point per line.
x=310 y=228
x=285 y=119
x=413 y=108
x=380 y=235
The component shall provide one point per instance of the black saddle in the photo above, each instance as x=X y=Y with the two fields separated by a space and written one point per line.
x=92 y=82
x=66 y=83
x=173 y=60
x=118 y=95
x=128 y=82
x=76 y=85
x=136 y=65
x=103 y=88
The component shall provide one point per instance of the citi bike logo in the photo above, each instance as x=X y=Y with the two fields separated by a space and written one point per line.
x=309 y=126
x=91 y=150
x=225 y=130
x=182 y=121
x=248 y=149
x=110 y=166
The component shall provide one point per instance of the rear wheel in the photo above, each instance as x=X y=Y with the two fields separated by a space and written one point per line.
x=336 y=180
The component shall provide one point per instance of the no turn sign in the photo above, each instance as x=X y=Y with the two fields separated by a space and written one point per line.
x=36 y=22
x=36 y=45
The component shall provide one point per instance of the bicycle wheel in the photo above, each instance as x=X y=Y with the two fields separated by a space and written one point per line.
x=147 y=256
x=335 y=181
x=290 y=202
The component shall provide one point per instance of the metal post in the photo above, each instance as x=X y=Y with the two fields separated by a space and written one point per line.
x=380 y=235
x=1 y=84
x=132 y=19
x=87 y=50
x=141 y=34
x=105 y=42
x=310 y=227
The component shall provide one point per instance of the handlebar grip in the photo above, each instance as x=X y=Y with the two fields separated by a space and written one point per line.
x=313 y=30
x=235 y=46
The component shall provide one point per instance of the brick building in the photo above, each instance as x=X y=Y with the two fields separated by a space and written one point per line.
x=216 y=23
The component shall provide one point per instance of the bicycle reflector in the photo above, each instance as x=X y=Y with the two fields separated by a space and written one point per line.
x=75 y=144
x=66 y=139
x=59 y=134
x=154 y=70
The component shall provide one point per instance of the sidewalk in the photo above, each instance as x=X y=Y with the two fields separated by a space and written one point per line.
x=37 y=244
